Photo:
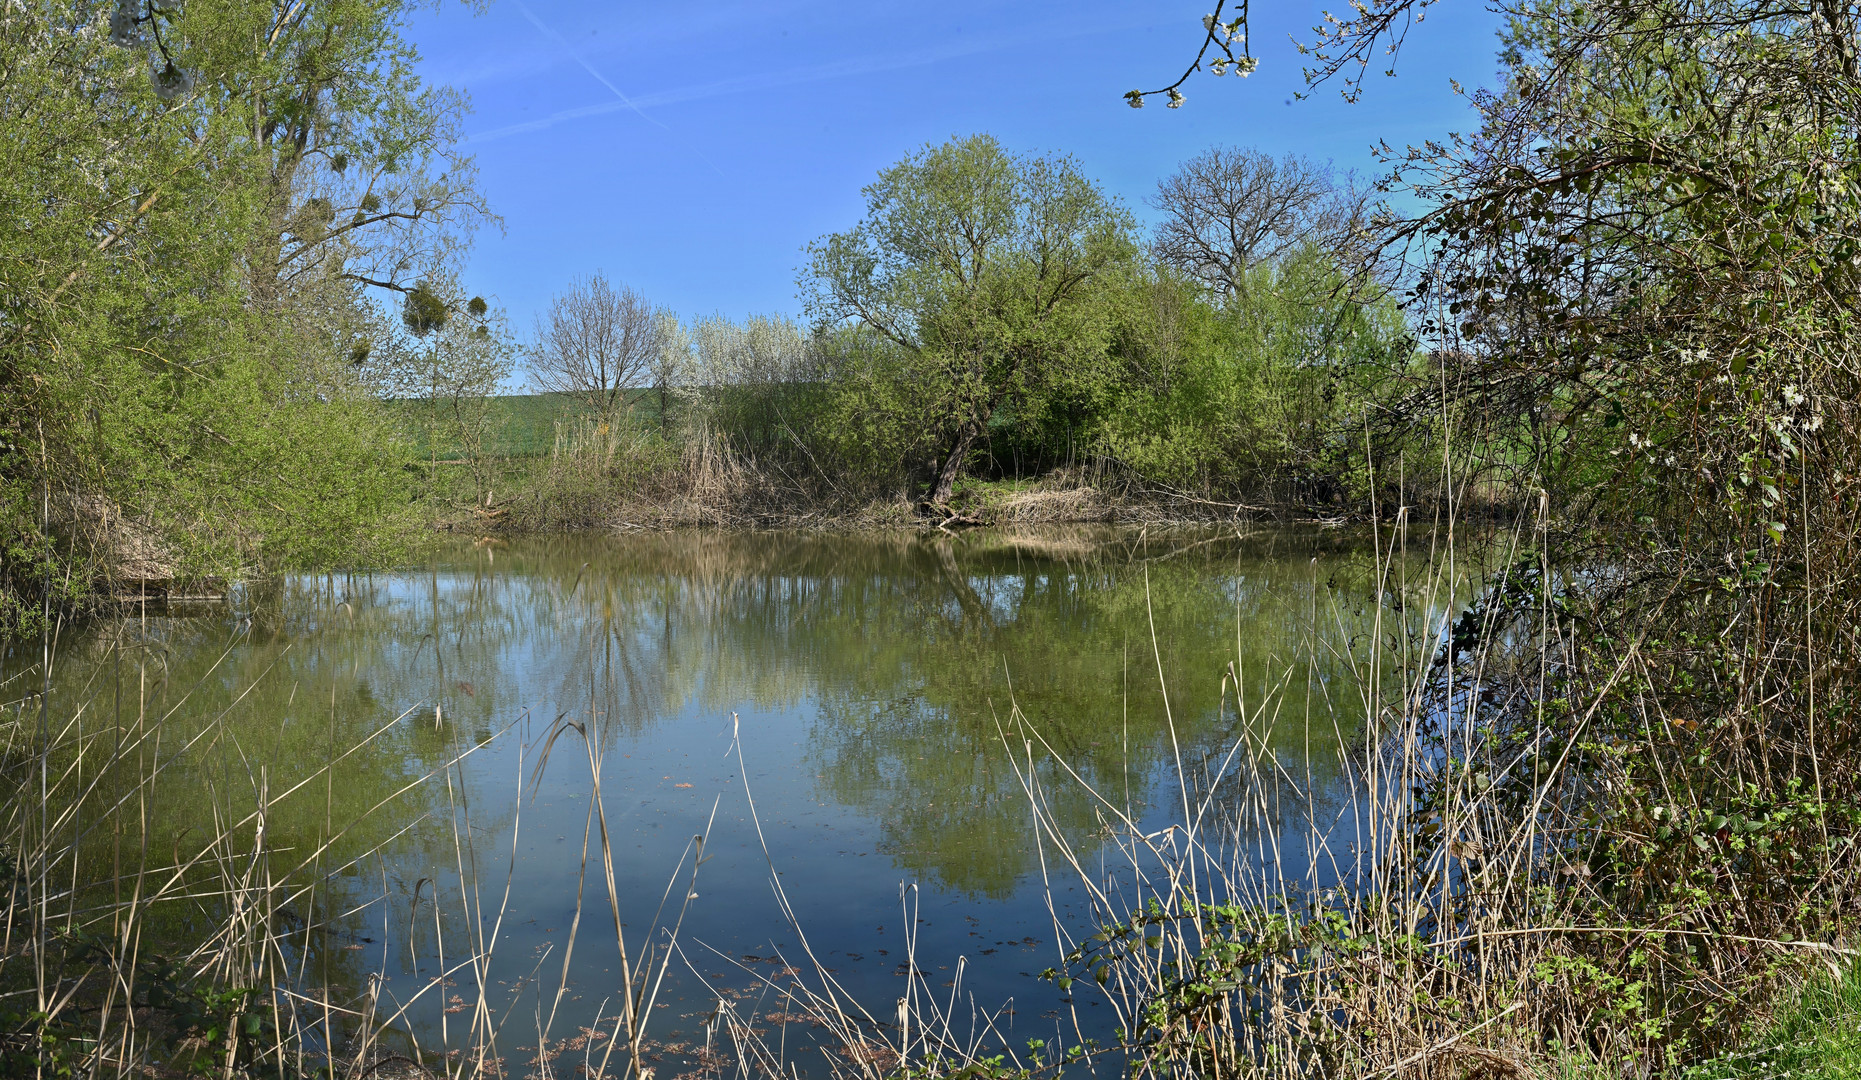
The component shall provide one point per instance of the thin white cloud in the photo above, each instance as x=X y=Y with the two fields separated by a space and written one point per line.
x=815 y=73
x=598 y=109
x=656 y=32
x=625 y=101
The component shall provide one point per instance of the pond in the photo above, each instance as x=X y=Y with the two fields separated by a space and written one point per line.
x=849 y=720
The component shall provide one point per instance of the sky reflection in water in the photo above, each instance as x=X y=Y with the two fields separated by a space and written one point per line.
x=870 y=678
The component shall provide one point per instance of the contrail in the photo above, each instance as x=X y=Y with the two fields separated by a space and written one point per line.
x=766 y=81
x=586 y=66
x=625 y=101
x=749 y=83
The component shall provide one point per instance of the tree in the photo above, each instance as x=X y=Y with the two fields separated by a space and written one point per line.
x=673 y=369
x=359 y=164
x=1647 y=257
x=187 y=288
x=446 y=356
x=752 y=374
x=596 y=343
x=1229 y=210
x=1263 y=395
x=982 y=268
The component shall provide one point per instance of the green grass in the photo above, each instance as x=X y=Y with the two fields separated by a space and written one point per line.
x=1816 y=1036
x=522 y=425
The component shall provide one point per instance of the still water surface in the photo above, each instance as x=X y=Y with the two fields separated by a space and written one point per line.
x=856 y=687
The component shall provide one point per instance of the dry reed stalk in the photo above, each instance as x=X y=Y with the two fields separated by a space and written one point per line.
x=84 y=951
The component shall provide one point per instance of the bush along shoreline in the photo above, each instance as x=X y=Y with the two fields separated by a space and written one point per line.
x=1610 y=819
x=1606 y=818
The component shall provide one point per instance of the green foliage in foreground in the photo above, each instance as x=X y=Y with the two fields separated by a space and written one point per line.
x=188 y=225
x=1629 y=811
x=1816 y=1035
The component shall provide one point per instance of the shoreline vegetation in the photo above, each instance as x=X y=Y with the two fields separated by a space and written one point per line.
x=1610 y=823
x=730 y=495
x=1252 y=937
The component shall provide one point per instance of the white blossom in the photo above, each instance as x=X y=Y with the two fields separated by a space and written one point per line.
x=123 y=20
x=171 y=82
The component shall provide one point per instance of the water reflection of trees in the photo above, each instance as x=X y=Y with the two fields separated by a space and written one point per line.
x=909 y=652
x=256 y=742
x=913 y=653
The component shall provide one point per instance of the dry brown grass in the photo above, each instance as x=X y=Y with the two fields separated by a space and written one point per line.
x=1432 y=916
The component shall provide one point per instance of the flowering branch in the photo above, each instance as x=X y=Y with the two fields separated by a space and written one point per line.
x=1216 y=35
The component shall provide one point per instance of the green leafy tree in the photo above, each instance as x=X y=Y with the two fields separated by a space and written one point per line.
x=194 y=203
x=1263 y=396
x=359 y=169
x=986 y=272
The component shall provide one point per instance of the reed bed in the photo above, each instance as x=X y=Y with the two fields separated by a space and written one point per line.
x=132 y=948
x=1508 y=872
x=1544 y=861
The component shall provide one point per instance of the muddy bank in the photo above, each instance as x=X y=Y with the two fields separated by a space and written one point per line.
x=981 y=505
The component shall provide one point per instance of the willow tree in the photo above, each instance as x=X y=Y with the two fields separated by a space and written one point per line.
x=987 y=271
x=195 y=204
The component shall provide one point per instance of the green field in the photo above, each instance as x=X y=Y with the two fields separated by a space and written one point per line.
x=521 y=425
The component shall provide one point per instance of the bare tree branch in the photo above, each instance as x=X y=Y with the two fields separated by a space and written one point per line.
x=1228 y=210
x=596 y=342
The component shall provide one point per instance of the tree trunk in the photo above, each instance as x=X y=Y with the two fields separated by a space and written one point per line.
x=952 y=468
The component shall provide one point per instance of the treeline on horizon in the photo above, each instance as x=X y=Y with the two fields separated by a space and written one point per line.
x=1627 y=815
x=240 y=347
x=998 y=315
x=210 y=344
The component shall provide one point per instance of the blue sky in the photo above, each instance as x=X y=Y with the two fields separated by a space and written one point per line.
x=692 y=151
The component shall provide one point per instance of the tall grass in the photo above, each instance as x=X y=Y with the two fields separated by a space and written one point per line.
x=1517 y=874
x=1539 y=862
x=1277 y=926
x=628 y=471
x=164 y=916
x=134 y=945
